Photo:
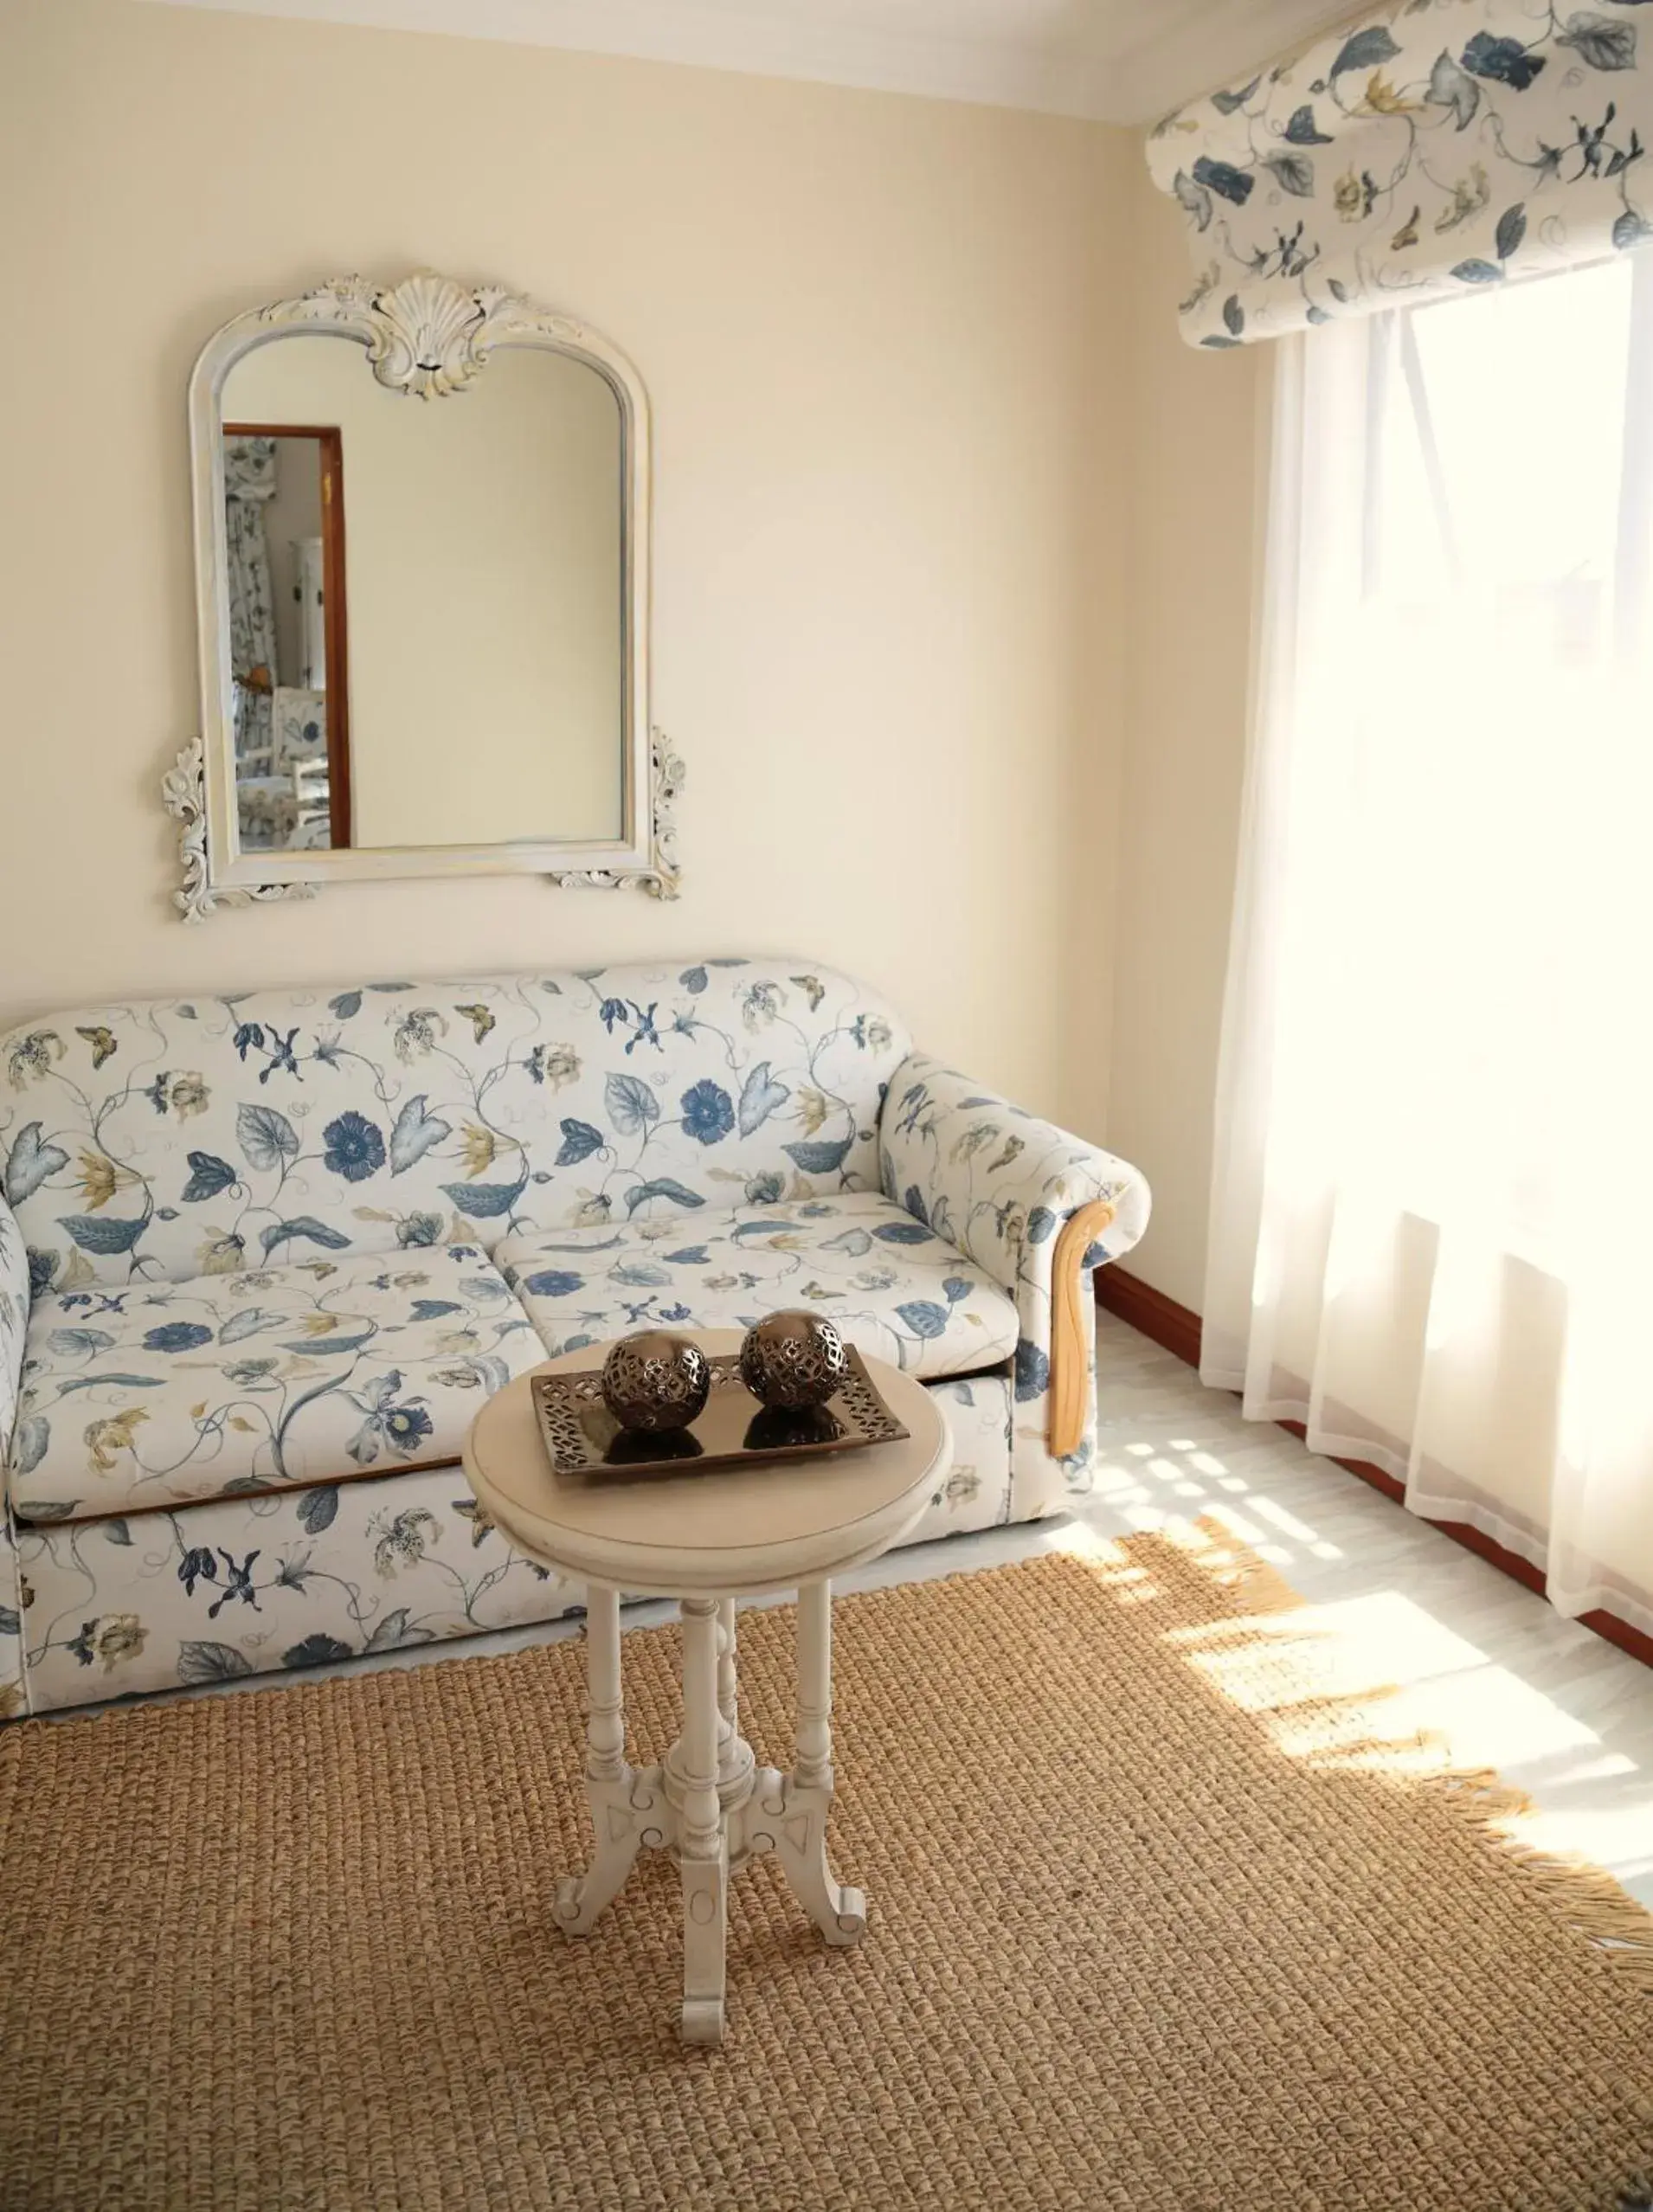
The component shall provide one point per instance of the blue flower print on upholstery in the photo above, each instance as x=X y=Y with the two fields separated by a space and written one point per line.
x=158 y=1143
x=893 y=1287
x=257 y=1379
x=232 y=1587
x=354 y=1147
x=1001 y=1184
x=708 y=1112
x=177 y=1336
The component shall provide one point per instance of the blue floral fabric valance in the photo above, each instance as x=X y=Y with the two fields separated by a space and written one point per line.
x=1436 y=146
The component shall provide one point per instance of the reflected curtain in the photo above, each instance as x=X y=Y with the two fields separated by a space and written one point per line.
x=1430 y=1230
x=249 y=485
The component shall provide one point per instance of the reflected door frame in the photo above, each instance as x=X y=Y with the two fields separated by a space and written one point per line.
x=331 y=440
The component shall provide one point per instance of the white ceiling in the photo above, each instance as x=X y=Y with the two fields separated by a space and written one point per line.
x=1120 y=60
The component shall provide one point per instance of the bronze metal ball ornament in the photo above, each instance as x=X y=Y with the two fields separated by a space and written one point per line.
x=655 y=1381
x=794 y=1359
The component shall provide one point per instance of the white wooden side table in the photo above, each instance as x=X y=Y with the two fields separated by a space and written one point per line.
x=707 y=1539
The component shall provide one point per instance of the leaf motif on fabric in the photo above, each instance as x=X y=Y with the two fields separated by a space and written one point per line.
x=484 y=1201
x=72 y=1343
x=28 y=1444
x=97 y=1233
x=1194 y=199
x=662 y=1187
x=31 y=1162
x=248 y=1321
x=1512 y=229
x=207 y=1176
x=760 y=1096
x=200 y=1661
x=1598 y=39
x=579 y=1141
x=394 y=1631
x=1235 y=185
x=266 y=1136
x=1293 y=173
x=854 y=1244
x=317 y=1509
x=304 y=1226
x=1364 y=49
x=631 y=1102
x=416 y=1131
x=924 y=1317
x=1301 y=129
x=315 y=1651
x=1451 y=85
x=822 y=1156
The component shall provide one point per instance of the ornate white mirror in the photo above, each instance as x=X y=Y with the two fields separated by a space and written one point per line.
x=423 y=628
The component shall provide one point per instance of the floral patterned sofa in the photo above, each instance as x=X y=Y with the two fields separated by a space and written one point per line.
x=263 y=1256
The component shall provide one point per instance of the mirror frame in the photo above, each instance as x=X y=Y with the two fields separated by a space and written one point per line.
x=428 y=337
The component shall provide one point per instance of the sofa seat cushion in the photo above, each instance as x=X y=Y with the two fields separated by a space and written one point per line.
x=894 y=1289
x=167 y=1392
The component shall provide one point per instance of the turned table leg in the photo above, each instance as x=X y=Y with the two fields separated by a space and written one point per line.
x=703 y=1836
x=800 y=1833
x=622 y=1804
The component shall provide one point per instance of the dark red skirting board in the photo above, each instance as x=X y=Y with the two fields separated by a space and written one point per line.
x=1177 y=1330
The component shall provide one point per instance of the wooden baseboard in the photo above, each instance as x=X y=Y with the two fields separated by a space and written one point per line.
x=1177 y=1330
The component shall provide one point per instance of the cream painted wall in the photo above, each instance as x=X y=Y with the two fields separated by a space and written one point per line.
x=1198 y=423
x=882 y=338
x=483 y=590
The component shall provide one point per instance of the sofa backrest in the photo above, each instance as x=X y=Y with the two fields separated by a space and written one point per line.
x=185 y=1136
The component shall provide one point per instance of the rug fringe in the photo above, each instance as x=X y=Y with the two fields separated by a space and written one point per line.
x=1587 y=1897
x=1590 y=1899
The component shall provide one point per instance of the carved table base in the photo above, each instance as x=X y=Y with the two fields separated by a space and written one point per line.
x=709 y=1804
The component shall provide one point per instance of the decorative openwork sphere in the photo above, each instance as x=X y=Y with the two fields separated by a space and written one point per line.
x=655 y=1381
x=794 y=1359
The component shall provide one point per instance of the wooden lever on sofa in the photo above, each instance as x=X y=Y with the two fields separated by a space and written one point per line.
x=1072 y=1313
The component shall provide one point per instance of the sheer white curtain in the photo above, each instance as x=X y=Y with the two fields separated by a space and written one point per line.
x=1431 y=1233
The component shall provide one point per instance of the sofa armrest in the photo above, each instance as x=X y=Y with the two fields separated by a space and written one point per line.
x=14 y=1321
x=1038 y=1208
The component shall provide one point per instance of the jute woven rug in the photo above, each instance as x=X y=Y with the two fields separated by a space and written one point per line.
x=1159 y=1924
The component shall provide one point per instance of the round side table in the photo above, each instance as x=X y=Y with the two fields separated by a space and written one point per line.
x=706 y=1539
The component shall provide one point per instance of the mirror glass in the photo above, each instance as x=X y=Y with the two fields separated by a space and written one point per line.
x=426 y=601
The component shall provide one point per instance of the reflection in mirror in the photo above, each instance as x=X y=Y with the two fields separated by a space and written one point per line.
x=477 y=692
x=285 y=569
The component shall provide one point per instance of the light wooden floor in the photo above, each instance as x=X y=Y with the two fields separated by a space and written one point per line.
x=1556 y=1710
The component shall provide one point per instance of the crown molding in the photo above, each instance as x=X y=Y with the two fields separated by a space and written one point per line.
x=748 y=39
x=1096 y=72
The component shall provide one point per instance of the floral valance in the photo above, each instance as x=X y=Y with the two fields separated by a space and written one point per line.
x=1438 y=146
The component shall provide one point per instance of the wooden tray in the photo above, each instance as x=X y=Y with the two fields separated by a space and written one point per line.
x=583 y=1436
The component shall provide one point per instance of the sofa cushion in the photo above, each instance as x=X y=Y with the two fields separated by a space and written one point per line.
x=233 y=1383
x=894 y=1289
